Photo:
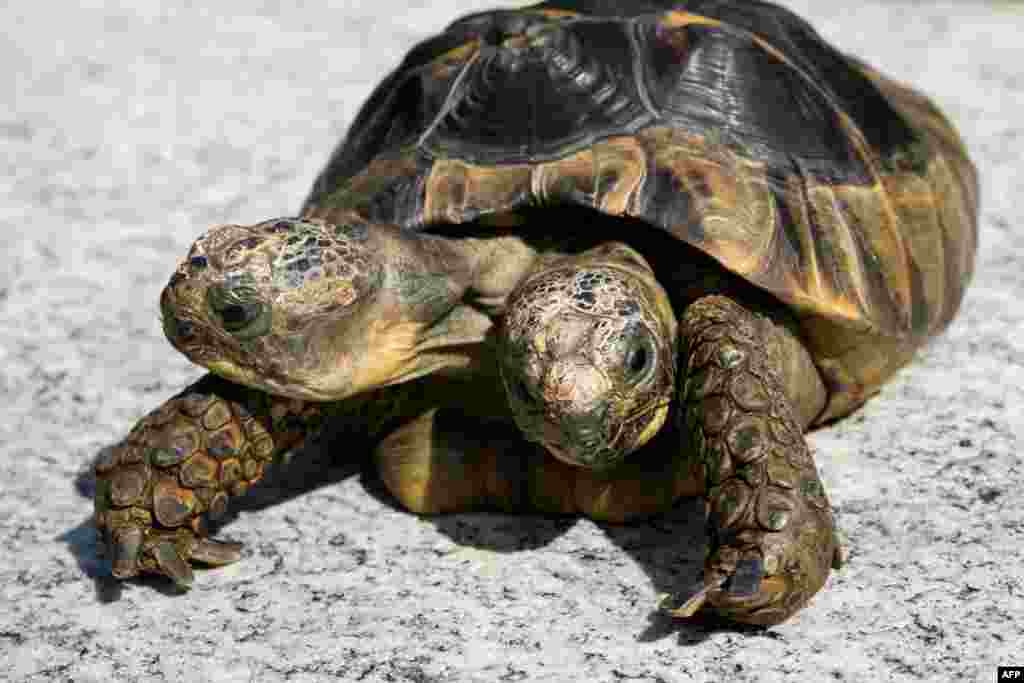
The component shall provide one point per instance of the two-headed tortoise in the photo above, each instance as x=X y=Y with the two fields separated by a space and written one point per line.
x=661 y=239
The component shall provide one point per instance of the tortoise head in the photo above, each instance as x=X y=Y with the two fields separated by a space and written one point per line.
x=275 y=305
x=588 y=348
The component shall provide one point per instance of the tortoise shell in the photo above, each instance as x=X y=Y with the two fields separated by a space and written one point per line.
x=731 y=125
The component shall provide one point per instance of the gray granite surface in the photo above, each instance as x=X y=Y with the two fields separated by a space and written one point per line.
x=127 y=128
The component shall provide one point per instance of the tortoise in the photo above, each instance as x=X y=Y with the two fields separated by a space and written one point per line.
x=581 y=257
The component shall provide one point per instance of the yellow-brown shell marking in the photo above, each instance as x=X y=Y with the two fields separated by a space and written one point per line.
x=865 y=223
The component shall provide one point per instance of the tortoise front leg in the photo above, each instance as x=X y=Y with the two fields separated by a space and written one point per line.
x=182 y=461
x=772 y=536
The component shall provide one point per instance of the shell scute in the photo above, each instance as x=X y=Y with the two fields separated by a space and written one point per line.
x=732 y=126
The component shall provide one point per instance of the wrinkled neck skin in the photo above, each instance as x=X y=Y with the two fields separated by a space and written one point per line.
x=432 y=312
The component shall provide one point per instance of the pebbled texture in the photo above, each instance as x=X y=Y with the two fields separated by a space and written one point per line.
x=767 y=506
x=177 y=469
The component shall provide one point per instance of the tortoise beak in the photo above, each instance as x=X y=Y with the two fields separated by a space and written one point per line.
x=575 y=425
x=579 y=440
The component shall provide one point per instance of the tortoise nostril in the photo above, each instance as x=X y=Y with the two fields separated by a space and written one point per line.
x=184 y=329
x=523 y=392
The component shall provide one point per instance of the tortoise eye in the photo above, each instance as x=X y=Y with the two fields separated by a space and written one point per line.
x=236 y=316
x=636 y=361
x=239 y=312
x=639 y=359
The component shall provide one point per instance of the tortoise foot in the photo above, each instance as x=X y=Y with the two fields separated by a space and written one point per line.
x=178 y=467
x=763 y=579
x=772 y=537
x=134 y=550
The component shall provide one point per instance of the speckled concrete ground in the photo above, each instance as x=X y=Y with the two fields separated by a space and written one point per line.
x=126 y=131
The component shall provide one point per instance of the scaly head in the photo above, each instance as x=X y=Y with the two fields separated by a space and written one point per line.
x=313 y=310
x=588 y=350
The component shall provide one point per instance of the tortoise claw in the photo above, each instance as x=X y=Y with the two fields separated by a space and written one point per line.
x=841 y=556
x=744 y=581
x=685 y=607
x=171 y=563
x=746 y=578
x=124 y=546
x=216 y=553
x=131 y=554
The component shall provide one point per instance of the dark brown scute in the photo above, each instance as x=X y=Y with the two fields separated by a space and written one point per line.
x=510 y=104
x=884 y=129
x=555 y=93
x=724 y=61
x=728 y=84
x=731 y=125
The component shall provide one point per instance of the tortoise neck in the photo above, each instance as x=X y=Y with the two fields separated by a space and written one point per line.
x=492 y=267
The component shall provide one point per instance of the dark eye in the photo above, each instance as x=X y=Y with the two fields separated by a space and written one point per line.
x=639 y=361
x=239 y=311
x=237 y=316
x=636 y=361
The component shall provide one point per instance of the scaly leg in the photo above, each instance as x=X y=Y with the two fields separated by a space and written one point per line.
x=183 y=461
x=772 y=536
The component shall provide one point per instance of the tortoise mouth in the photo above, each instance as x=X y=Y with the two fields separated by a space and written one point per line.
x=581 y=441
x=598 y=458
x=569 y=459
x=595 y=439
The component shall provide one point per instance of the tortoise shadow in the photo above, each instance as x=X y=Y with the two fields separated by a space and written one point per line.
x=668 y=548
